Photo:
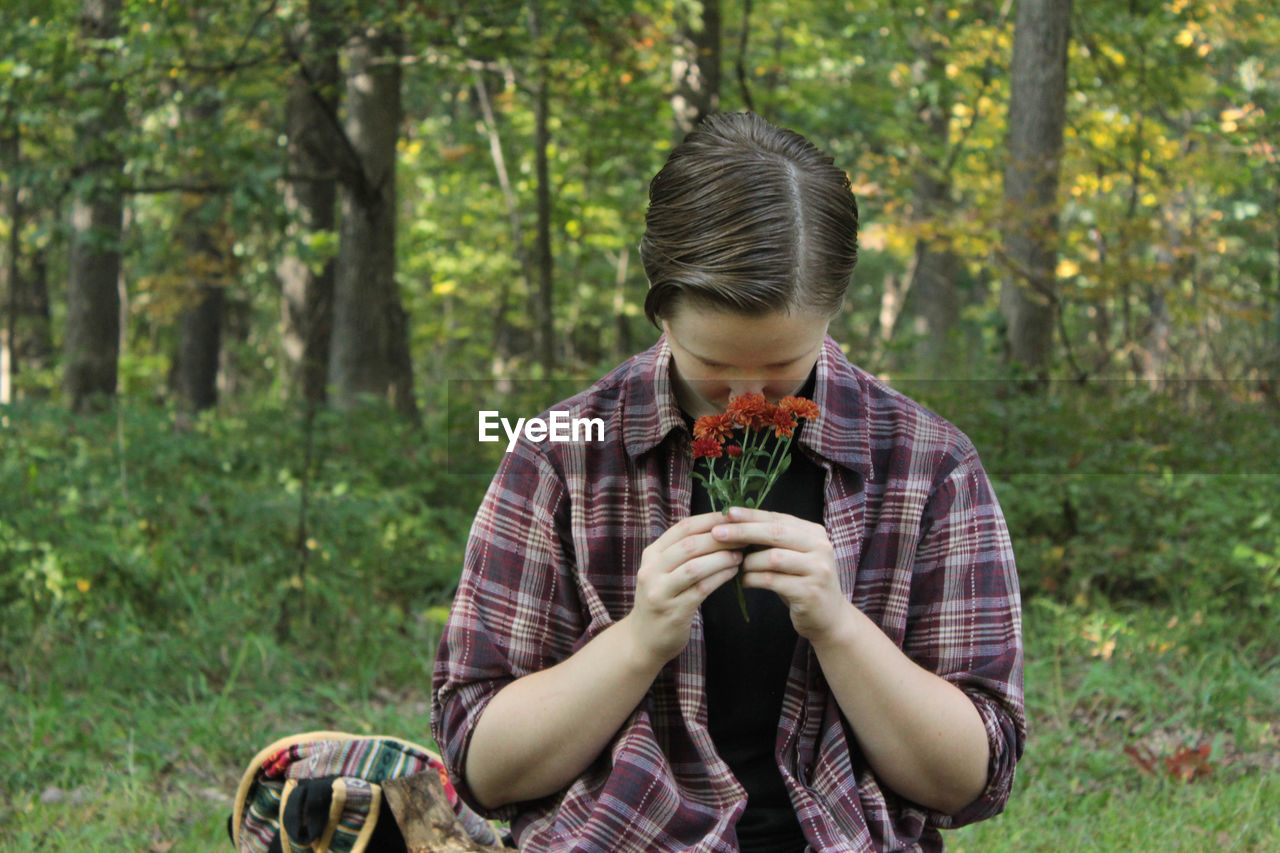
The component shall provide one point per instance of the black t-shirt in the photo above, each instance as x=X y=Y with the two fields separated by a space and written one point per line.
x=747 y=667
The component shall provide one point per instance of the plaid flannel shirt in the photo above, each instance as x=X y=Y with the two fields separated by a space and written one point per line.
x=921 y=547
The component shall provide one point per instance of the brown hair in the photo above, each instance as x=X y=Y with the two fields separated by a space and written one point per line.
x=748 y=217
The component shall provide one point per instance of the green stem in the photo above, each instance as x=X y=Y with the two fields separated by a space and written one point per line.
x=742 y=597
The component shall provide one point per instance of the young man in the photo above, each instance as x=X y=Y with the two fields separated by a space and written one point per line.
x=596 y=684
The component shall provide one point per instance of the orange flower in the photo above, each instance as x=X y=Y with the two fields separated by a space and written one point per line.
x=707 y=447
x=782 y=422
x=752 y=411
x=732 y=450
x=718 y=427
x=799 y=407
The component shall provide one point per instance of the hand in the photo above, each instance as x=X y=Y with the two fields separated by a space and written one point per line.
x=677 y=571
x=796 y=560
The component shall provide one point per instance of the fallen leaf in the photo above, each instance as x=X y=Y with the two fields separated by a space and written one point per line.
x=1188 y=764
x=1142 y=757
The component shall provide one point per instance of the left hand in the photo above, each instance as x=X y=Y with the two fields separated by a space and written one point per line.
x=796 y=560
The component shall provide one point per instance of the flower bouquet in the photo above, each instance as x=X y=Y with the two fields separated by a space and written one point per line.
x=739 y=464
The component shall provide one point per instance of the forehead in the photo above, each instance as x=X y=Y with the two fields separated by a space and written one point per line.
x=717 y=337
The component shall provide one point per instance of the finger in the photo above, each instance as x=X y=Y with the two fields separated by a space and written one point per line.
x=742 y=513
x=688 y=526
x=696 y=593
x=783 y=561
x=696 y=572
x=690 y=548
x=776 y=531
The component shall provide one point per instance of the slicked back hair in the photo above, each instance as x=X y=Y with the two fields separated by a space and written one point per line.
x=749 y=218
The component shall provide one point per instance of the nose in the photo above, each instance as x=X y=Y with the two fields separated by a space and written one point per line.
x=738 y=387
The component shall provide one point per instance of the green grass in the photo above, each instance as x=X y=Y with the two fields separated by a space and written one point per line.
x=149 y=732
x=1099 y=681
x=143 y=737
x=144 y=660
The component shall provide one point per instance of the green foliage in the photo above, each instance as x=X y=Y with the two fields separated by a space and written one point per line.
x=1129 y=492
x=124 y=518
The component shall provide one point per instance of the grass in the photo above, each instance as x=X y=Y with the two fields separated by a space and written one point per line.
x=135 y=741
x=143 y=660
x=1102 y=680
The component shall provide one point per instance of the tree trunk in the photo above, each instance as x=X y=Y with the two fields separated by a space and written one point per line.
x=309 y=198
x=544 y=301
x=931 y=290
x=623 y=346
x=505 y=344
x=10 y=213
x=33 y=347
x=545 y=308
x=200 y=323
x=92 y=344
x=1037 y=114
x=369 y=352
x=696 y=69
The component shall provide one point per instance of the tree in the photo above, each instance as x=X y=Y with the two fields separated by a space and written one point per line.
x=201 y=320
x=935 y=267
x=695 y=70
x=1037 y=115
x=369 y=354
x=544 y=303
x=315 y=146
x=10 y=213
x=92 y=344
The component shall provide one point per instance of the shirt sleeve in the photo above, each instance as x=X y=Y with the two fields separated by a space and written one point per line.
x=965 y=620
x=515 y=609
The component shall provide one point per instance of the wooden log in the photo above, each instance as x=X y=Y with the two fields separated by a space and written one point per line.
x=426 y=819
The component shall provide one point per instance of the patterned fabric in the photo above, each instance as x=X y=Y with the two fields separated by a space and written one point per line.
x=921 y=547
x=360 y=765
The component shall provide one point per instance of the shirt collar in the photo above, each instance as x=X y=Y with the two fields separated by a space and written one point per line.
x=649 y=409
x=841 y=434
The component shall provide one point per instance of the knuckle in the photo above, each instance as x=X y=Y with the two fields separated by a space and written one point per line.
x=688 y=547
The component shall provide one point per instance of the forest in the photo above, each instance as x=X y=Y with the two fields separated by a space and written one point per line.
x=262 y=261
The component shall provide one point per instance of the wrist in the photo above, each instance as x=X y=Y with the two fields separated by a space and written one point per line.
x=843 y=629
x=639 y=653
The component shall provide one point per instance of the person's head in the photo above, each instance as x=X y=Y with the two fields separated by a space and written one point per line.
x=751 y=237
x=748 y=218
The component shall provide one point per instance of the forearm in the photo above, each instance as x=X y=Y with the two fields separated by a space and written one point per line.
x=542 y=731
x=921 y=734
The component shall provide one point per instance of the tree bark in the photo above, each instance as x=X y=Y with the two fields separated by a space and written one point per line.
x=200 y=323
x=369 y=351
x=9 y=212
x=309 y=199
x=1037 y=115
x=92 y=343
x=696 y=69
x=931 y=290
x=544 y=307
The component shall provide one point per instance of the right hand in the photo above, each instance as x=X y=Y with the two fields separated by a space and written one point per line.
x=678 y=571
